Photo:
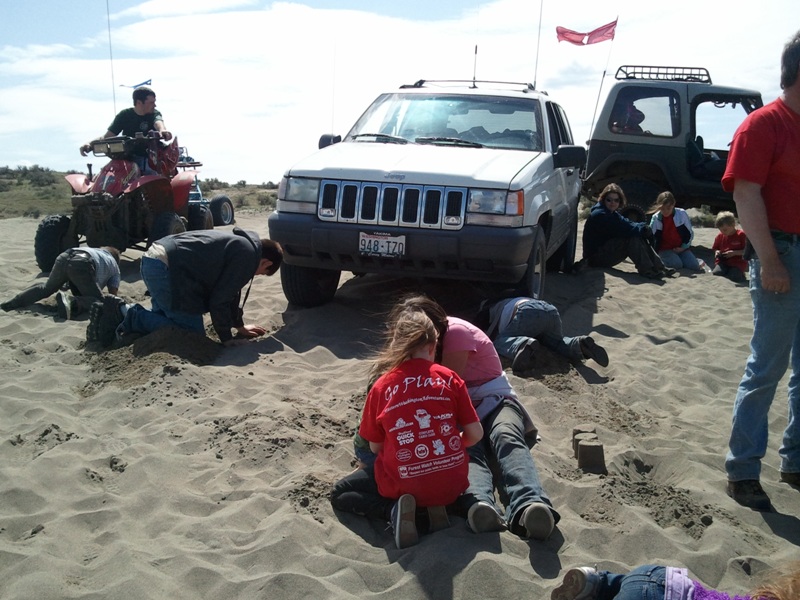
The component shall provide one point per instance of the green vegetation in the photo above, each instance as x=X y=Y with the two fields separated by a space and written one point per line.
x=37 y=191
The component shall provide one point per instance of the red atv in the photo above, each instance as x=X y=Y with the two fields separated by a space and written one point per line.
x=120 y=207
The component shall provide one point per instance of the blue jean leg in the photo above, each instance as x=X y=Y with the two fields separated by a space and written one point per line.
x=776 y=318
x=646 y=582
x=540 y=320
x=140 y=320
x=680 y=260
x=502 y=458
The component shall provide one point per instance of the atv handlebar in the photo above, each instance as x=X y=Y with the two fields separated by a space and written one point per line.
x=120 y=146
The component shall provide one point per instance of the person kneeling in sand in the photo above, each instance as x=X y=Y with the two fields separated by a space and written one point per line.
x=655 y=581
x=190 y=274
x=419 y=420
x=519 y=326
x=86 y=270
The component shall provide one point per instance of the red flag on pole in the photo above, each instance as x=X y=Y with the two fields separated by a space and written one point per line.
x=601 y=34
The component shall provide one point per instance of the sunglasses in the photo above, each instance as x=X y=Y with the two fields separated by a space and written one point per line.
x=611 y=199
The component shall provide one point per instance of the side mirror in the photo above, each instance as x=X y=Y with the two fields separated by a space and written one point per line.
x=328 y=139
x=569 y=156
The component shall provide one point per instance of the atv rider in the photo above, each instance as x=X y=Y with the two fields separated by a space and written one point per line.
x=142 y=118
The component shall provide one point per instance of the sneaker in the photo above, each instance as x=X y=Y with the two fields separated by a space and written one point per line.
x=591 y=349
x=404 y=521
x=7 y=306
x=64 y=305
x=482 y=517
x=790 y=478
x=580 y=583
x=437 y=515
x=749 y=493
x=537 y=519
x=668 y=272
x=95 y=316
x=524 y=358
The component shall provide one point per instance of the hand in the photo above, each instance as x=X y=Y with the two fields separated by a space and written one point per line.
x=166 y=135
x=85 y=149
x=774 y=277
x=251 y=331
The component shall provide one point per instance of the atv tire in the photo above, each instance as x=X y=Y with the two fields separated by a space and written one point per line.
x=200 y=217
x=52 y=238
x=222 y=209
x=308 y=287
x=164 y=224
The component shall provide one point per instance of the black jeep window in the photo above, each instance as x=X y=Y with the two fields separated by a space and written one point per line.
x=646 y=111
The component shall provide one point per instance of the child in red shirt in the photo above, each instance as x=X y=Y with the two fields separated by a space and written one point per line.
x=419 y=420
x=729 y=248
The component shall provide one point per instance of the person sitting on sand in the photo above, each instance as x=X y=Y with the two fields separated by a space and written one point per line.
x=418 y=420
x=519 y=326
x=189 y=274
x=609 y=238
x=86 y=270
x=672 y=229
x=670 y=583
x=729 y=246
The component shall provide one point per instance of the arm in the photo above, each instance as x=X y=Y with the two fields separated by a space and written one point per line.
x=472 y=434
x=456 y=361
x=162 y=129
x=753 y=217
x=375 y=447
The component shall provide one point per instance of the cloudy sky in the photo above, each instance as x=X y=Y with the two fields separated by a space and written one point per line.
x=249 y=85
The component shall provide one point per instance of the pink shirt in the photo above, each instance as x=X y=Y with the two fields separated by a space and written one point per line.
x=483 y=363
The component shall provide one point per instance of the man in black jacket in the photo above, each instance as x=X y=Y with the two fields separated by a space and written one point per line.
x=188 y=275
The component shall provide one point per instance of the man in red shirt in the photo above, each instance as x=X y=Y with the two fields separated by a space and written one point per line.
x=763 y=174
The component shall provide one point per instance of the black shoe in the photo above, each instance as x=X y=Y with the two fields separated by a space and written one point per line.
x=667 y=272
x=791 y=478
x=64 y=305
x=7 y=306
x=110 y=320
x=749 y=493
x=524 y=358
x=652 y=274
x=591 y=349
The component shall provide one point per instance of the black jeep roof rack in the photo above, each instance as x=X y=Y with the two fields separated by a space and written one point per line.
x=650 y=73
x=527 y=87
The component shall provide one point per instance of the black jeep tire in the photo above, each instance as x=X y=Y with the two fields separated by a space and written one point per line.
x=308 y=287
x=52 y=238
x=200 y=217
x=532 y=283
x=222 y=209
x=563 y=258
x=640 y=194
x=164 y=224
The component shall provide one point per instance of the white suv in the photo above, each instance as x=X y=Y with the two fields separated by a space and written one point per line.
x=450 y=179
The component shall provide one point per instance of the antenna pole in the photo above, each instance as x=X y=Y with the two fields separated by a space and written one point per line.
x=111 y=58
x=475 y=66
x=538 y=39
x=602 y=79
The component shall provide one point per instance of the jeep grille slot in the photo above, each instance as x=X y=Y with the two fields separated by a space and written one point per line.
x=391 y=204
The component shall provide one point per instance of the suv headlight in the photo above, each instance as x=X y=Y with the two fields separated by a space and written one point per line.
x=496 y=202
x=299 y=189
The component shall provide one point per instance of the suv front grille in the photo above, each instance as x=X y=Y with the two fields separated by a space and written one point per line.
x=390 y=204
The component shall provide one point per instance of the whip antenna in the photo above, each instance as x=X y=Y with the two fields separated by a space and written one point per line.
x=475 y=66
x=111 y=58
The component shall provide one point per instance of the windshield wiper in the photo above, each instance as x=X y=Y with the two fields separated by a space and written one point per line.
x=453 y=141
x=383 y=137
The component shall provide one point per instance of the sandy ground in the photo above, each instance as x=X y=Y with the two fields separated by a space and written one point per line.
x=174 y=468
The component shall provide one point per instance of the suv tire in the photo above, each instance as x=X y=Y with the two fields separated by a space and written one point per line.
x=532 y=284
x=563 y=258
x=308 y=287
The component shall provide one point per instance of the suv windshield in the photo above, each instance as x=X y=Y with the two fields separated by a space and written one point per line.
x=452 y=119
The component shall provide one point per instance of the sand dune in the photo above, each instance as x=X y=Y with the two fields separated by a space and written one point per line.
x=173 y=468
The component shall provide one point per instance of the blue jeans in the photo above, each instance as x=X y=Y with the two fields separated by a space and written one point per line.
x=680 y=260
x=776 y=338
x=642 y=583
x=540 y=320
x=503 y=457
x=138 y=319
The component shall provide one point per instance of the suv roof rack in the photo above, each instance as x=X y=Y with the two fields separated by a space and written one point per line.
x=650 y=73
x=527 y=87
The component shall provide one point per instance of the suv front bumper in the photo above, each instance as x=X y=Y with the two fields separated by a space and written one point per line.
x=471 y=253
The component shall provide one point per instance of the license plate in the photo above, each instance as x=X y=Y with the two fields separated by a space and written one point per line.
x=382 y=244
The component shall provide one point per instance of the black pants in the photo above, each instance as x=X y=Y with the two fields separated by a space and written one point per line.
x=358 y=493
x=638 y=249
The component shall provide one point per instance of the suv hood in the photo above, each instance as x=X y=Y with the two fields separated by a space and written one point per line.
x=421 y=164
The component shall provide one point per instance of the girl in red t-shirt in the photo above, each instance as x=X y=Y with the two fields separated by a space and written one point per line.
x=673 y=234
x=419 y=420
